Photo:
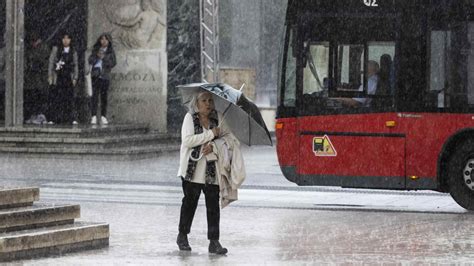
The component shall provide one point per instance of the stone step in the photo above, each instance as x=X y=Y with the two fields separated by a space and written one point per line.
x=38 y=215
x=125 y=153
x=91 y=143
x=84 y=131
x=18 y=197
x=53 y=240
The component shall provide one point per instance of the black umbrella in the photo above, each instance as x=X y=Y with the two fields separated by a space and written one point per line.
x=241 y=115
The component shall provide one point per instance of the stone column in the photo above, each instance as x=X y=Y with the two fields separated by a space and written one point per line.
x=138 y=89
x=14 y=57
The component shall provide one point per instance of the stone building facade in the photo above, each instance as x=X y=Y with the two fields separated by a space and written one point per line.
x=138 y=88
x=157 y=44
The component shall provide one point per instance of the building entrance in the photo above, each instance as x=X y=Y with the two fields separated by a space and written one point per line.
x=44 y=23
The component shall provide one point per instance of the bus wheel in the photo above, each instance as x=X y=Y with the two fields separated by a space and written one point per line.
x=461 y=175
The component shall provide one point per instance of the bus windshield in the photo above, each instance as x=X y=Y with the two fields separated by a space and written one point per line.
x=351 y=67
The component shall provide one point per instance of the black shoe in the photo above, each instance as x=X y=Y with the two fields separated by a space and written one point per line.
x=182 y=242
x=216 y=248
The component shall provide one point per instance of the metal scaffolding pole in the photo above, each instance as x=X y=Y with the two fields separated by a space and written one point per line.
x=209 y=18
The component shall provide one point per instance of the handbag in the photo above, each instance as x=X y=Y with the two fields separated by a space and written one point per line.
x=88 y=81
x=211 y=157
x=96 y=72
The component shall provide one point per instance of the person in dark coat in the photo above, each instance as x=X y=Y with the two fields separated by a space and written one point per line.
x=102 y=60
x=63 y=72
x=36 y=86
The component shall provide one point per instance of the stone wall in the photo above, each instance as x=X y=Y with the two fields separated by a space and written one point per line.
x=138 y=90
x=238 y=77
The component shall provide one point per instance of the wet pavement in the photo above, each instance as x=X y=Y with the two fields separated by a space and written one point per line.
x=274 y=221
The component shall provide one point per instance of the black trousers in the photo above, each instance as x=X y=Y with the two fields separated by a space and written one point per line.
x=62 y=108
x=99 y=86
x=192 y=191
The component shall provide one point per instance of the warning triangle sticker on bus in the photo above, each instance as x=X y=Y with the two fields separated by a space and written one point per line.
x=323 y=147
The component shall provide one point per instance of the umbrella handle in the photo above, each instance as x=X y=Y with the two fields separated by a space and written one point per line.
x=199 y=157
x=196 y=159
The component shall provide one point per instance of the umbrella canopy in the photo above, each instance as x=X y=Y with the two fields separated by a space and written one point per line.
x=241 y=115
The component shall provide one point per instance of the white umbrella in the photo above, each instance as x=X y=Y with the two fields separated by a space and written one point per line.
x=241 y=115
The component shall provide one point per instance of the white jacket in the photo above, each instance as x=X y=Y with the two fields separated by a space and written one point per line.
x=189 y=140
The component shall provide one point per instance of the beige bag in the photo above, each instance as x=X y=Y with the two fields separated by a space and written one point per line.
x=211 y=157
x=88 y=81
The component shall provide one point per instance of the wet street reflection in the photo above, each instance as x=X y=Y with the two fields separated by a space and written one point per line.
x=376 y=237
x=274 y=222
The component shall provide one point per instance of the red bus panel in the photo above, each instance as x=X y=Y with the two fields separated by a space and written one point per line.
x=376 y=156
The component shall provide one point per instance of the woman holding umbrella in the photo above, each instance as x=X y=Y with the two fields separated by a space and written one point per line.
x=198 y=169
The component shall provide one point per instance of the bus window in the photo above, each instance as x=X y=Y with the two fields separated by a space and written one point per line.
x=440 y=57
x=450 y=79
x=383 y=54
x=289 y=95
x=315 y=73
x=379 y=74
x=350 y=62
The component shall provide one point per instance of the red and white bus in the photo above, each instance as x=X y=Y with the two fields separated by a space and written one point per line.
x=379 y=94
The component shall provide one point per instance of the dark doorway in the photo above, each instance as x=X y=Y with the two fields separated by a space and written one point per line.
x=47 y=20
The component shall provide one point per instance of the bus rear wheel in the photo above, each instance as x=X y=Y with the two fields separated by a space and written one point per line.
x=461 y=174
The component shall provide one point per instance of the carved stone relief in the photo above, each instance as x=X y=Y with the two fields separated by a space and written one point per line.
x=137 y=24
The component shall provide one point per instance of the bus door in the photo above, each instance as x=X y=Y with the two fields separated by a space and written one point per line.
x=448 y=93
x=348 y=134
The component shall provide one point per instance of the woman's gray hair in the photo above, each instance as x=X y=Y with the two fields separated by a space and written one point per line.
x=192 y=105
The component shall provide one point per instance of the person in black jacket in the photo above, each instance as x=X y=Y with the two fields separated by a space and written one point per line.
x=63 y=71
x=102 y=60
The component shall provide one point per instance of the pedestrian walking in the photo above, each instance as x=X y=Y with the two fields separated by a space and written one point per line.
x=63 y=71
x=199 y=170
x=101 y=61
